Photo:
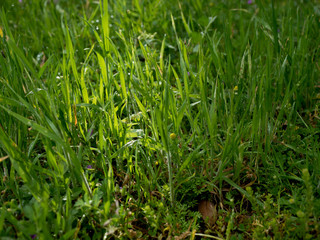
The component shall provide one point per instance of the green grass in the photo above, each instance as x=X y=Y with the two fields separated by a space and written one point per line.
x=118 y=119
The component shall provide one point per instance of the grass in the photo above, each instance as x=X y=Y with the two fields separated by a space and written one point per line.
x=159 y=120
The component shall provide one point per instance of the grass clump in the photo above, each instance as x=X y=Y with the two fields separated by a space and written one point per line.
x=153 y=119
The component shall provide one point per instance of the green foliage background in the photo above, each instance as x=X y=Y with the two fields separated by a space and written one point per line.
x=118 y=117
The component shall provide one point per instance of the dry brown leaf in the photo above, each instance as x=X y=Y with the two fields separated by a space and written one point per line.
x=208 y=211
x=3 y=158
x=183 y=235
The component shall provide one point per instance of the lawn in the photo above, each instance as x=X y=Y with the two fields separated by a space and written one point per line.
x=159 y=119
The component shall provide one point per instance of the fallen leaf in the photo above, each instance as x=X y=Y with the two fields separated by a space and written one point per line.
x=183 y=235
x=208 y=212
